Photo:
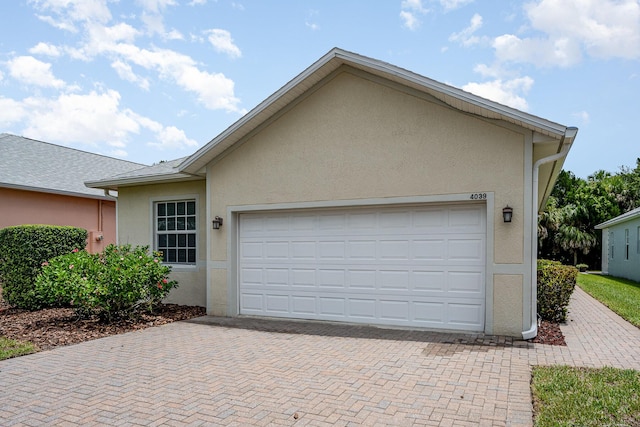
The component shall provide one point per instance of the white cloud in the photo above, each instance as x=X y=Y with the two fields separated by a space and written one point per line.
x=454 y=4
x=569 y=29
x=11 y=111
x=94 y=119
x=561 y=52
x=45 y=49
x=583 y=116
x=65 y=25
x=125 y=72
x=69 y=11
x=197 y=2
x=604 y=28
x=29 y=70
x=237 y=6
x=410 y=12
x=171 y=137
x=156 y=6
x=507 y=92
x=466 y=37
x=222 y=42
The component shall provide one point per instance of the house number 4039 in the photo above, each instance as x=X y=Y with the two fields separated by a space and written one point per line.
x=478 y=196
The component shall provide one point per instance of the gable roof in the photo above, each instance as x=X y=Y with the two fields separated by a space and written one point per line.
x=468 y=103
x=627 y=216
x=332 y=61
x=28 y=164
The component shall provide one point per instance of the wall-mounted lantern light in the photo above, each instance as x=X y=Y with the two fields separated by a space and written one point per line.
x=507 y=213
x=217 y=223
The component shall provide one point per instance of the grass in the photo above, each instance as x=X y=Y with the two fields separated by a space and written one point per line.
x=12 y=348
x=621 y=295
x=567 y=396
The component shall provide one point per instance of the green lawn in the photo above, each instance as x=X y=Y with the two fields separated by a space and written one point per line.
x=566 y=396
x=620 y=295
x=11 y=348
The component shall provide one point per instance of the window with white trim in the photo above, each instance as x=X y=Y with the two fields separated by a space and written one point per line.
x=626 y=243
x=611 y=244
x=175 y=231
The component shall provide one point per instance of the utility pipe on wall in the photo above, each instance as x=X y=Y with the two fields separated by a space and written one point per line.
x=569 y=134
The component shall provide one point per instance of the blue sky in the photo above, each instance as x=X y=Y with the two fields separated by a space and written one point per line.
x=152 y=80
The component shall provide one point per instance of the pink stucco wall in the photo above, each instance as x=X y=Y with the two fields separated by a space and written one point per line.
x=98 y=217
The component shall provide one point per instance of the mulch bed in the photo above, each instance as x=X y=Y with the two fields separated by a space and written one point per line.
x=549 y=333
x=56 y=327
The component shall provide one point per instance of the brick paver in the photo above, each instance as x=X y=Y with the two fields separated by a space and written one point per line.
x=220 y=371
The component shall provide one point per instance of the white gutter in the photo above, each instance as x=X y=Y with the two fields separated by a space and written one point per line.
x=569 y=134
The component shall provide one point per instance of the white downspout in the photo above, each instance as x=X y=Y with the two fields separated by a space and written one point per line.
x=115 y=198
x=570 y=134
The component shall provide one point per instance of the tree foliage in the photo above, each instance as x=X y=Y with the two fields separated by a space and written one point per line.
x=566 y=228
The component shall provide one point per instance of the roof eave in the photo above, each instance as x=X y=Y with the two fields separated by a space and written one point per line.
x=113 y=184
x=54 y=191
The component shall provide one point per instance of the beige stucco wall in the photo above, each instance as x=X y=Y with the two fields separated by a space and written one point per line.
x=135 y=219
x=357 y=139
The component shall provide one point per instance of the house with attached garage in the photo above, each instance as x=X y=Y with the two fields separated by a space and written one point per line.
x=358 y=192
x=621 y=245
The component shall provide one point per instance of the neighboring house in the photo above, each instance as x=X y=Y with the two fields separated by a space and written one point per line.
x=42 y=183
x=621 y=245
x=359 y=192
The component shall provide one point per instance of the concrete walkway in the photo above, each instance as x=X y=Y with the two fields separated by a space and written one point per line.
x=218 y=371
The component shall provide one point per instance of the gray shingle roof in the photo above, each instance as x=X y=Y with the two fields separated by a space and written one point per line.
x=28 y=164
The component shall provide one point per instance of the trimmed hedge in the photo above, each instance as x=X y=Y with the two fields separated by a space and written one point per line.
x=23 y=249
x=556 y=283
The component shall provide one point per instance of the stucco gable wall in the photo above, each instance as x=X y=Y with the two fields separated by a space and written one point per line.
x=355 y=138
x=135 y=221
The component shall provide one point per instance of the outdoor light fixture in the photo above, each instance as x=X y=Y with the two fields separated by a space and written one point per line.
x=217 y=223
x=507 y=213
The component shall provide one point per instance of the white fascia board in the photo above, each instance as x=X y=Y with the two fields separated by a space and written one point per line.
x=149 y=179
x=54 y=191
x=628 y=216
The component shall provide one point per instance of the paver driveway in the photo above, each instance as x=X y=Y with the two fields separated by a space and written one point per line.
x=216 y=371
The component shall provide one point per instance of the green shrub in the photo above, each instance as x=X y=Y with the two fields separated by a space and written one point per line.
x=582 y=267
x=119 y=282
x=24 y=248
x=556 y=283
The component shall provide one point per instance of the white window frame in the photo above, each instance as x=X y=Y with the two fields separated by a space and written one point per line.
x=611 y=244
x=626 y=244
x=156 y=233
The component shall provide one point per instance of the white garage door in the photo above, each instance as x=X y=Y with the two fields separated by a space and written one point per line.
x=408 y=266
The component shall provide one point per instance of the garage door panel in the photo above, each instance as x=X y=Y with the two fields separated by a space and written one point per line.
x=394 y=311
x=332 y=306
x=362 y=279
x=392 y=281
x=466 y=250
x=468 y=282
x=418 y=266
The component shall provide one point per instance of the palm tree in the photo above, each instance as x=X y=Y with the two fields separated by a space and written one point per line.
x=574 y=232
